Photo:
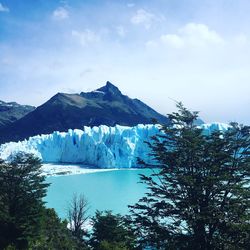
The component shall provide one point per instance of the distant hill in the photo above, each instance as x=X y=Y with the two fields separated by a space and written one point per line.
x=106 y=105
x=12 y=111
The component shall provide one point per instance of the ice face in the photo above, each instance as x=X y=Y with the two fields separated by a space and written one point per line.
x=208 y=128
x=101 y=147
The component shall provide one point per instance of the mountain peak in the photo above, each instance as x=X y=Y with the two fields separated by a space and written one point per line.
x=110 y=88
x=110 y=85
x=104 y=106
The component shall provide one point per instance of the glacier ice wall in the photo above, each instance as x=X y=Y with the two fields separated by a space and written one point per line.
x=103 y=146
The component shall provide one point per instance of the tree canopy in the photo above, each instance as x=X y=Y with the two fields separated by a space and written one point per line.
x=198 y=195
x=111 y=231
x=25 y=222
x=22 y=189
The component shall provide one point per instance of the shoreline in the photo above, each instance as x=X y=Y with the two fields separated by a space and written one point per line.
x=64 y=169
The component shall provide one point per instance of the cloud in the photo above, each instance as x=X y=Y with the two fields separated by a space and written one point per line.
x=173 y=40
x=60 y=13
x=142 y=17
x=3 y=8
x=192 y=34
x=152 y=44
x=85 y=37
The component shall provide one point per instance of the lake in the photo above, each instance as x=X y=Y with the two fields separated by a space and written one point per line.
x=111 y=190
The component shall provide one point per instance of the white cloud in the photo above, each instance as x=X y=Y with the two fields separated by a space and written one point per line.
x=191 y=35
x=173 y=40
x=152 y=44
x=3 y=8
x=60 y=13
x=196 y=33
x=85 y=37
x=142 y=17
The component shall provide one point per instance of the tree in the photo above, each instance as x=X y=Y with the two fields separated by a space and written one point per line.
x=55 y=234
x=77 y=216
x=25 y=223
x=22 y=189
x=111 y=232
x=198 y=195
x=106 y=245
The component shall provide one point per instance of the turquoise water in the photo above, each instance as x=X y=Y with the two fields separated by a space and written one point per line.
x=113 y=190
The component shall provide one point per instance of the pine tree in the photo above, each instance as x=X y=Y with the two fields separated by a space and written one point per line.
x=198 y=195
x=111 y=231
x=22 y=189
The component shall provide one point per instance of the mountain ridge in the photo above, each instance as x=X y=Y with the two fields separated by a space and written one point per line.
x=12 y=111
x=104 y=106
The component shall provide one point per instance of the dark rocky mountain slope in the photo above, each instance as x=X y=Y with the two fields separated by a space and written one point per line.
x=106 y=105
x=12 y=111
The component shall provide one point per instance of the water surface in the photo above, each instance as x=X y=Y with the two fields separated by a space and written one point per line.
x=113 y=190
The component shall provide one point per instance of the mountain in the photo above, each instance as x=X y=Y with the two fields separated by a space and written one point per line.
x=104 y=106
x=12 y=111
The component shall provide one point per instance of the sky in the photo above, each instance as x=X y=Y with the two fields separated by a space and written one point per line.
x=159 y=51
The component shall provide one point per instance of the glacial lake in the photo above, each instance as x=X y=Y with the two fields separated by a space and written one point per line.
x=105 y=190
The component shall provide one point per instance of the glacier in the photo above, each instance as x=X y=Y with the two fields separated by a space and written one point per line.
x=98 y=147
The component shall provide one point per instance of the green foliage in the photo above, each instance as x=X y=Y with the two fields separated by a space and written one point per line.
x=199 y=198
x=106 y=245
x=25 y=223
x=55 y=234
x=111 y=232
x=22 y=188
